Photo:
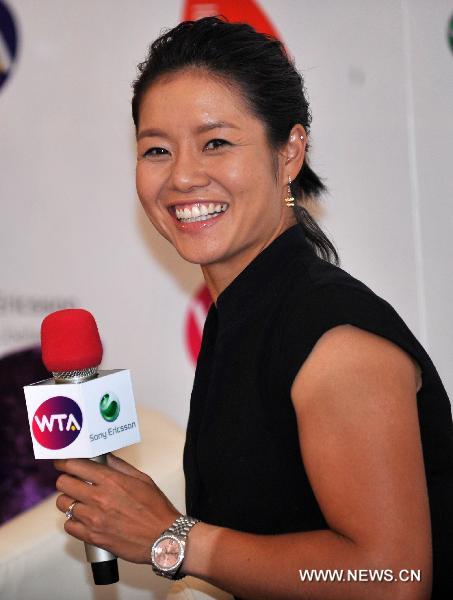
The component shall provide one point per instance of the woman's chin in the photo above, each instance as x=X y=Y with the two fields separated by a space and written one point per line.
x=198 y=259
x=199 y=254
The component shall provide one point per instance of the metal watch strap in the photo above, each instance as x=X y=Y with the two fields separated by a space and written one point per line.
x=182 y=526
x=179 y=528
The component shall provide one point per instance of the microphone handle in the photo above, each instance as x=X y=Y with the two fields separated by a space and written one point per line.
x=104 y=564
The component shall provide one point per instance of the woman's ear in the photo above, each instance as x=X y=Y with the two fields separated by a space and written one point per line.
x=294 y=151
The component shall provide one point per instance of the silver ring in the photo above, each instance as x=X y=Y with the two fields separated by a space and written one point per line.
x=70 y=512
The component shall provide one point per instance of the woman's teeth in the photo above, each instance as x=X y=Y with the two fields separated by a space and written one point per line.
x=200 y=212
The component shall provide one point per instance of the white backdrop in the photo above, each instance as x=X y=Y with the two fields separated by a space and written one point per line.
x=71 y=229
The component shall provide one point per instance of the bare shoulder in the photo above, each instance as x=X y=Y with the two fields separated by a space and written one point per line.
x=347 y=357
x=359 y=435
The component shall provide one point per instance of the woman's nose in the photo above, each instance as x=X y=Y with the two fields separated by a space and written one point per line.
x=188 y=171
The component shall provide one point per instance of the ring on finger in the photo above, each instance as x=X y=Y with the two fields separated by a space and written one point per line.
x=70 y=512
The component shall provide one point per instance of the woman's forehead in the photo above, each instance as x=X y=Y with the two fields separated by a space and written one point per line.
x=194 y=95
x=198 y=75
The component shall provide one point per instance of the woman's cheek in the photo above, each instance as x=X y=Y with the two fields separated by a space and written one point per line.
x=146 y=191
x=141 y=182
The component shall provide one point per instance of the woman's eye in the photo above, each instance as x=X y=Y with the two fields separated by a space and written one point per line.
x=213 y=144
x=155 y=152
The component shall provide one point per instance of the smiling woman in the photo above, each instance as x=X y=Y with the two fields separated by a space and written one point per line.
x=320 y=436
x=206 y=177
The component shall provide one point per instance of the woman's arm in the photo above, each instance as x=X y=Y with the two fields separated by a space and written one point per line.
x=359 y=435
x=355 y=403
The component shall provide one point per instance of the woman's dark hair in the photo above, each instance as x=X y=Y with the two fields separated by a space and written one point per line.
x=267 y=78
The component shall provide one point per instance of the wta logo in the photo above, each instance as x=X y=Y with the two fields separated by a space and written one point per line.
x=57 y=422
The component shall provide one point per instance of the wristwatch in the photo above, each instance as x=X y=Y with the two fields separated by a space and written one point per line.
x=167 y=552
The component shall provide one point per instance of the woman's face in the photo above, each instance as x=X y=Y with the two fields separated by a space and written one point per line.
x=205 y=172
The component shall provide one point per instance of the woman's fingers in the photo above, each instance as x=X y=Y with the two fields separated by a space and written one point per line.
x=130 y=550
x=88 y=470
x=63 y=502
x=93 y=483
x=75 y=488
x=91 y=517
x=124 y=467
x=83 y=468
x=122 y=510
x=79 y=510
x=78 y=528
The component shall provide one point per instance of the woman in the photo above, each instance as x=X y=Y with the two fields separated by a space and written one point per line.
x=320 y=435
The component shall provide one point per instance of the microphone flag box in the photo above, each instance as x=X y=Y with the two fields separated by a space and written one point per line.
x=82 y=420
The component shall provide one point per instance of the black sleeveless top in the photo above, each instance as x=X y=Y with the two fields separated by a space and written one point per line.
x=242 y=459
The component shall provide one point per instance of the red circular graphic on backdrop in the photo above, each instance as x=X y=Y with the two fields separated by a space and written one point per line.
x=245 y=11
x=195 y=318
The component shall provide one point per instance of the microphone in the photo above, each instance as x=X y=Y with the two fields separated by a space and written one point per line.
x=72 y=351
x=74 y=425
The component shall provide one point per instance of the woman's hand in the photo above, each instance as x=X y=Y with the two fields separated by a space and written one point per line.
x=121 y=509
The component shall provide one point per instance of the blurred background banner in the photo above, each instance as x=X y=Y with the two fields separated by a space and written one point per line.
x=8 y=42
x=72 y=232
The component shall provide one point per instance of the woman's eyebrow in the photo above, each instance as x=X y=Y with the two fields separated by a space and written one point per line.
x=215 y=125
x=152 y=131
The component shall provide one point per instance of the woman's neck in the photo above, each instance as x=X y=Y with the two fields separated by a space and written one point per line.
x=219 y=275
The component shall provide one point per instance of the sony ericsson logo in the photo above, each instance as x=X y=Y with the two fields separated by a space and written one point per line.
x=8 y=42
x=57 y=422
x=109 y=407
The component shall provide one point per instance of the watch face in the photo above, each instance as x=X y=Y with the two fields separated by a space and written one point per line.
x=167 y=553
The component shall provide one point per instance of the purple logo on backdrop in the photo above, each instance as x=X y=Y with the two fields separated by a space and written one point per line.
x=8 y=42
x=57 y=422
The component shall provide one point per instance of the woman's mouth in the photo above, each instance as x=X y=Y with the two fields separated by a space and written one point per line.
x=193 y=213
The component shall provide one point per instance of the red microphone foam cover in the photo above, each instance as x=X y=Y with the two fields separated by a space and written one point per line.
x=70 y=340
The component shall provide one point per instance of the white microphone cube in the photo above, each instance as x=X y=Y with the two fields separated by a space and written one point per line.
x=82 y=420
